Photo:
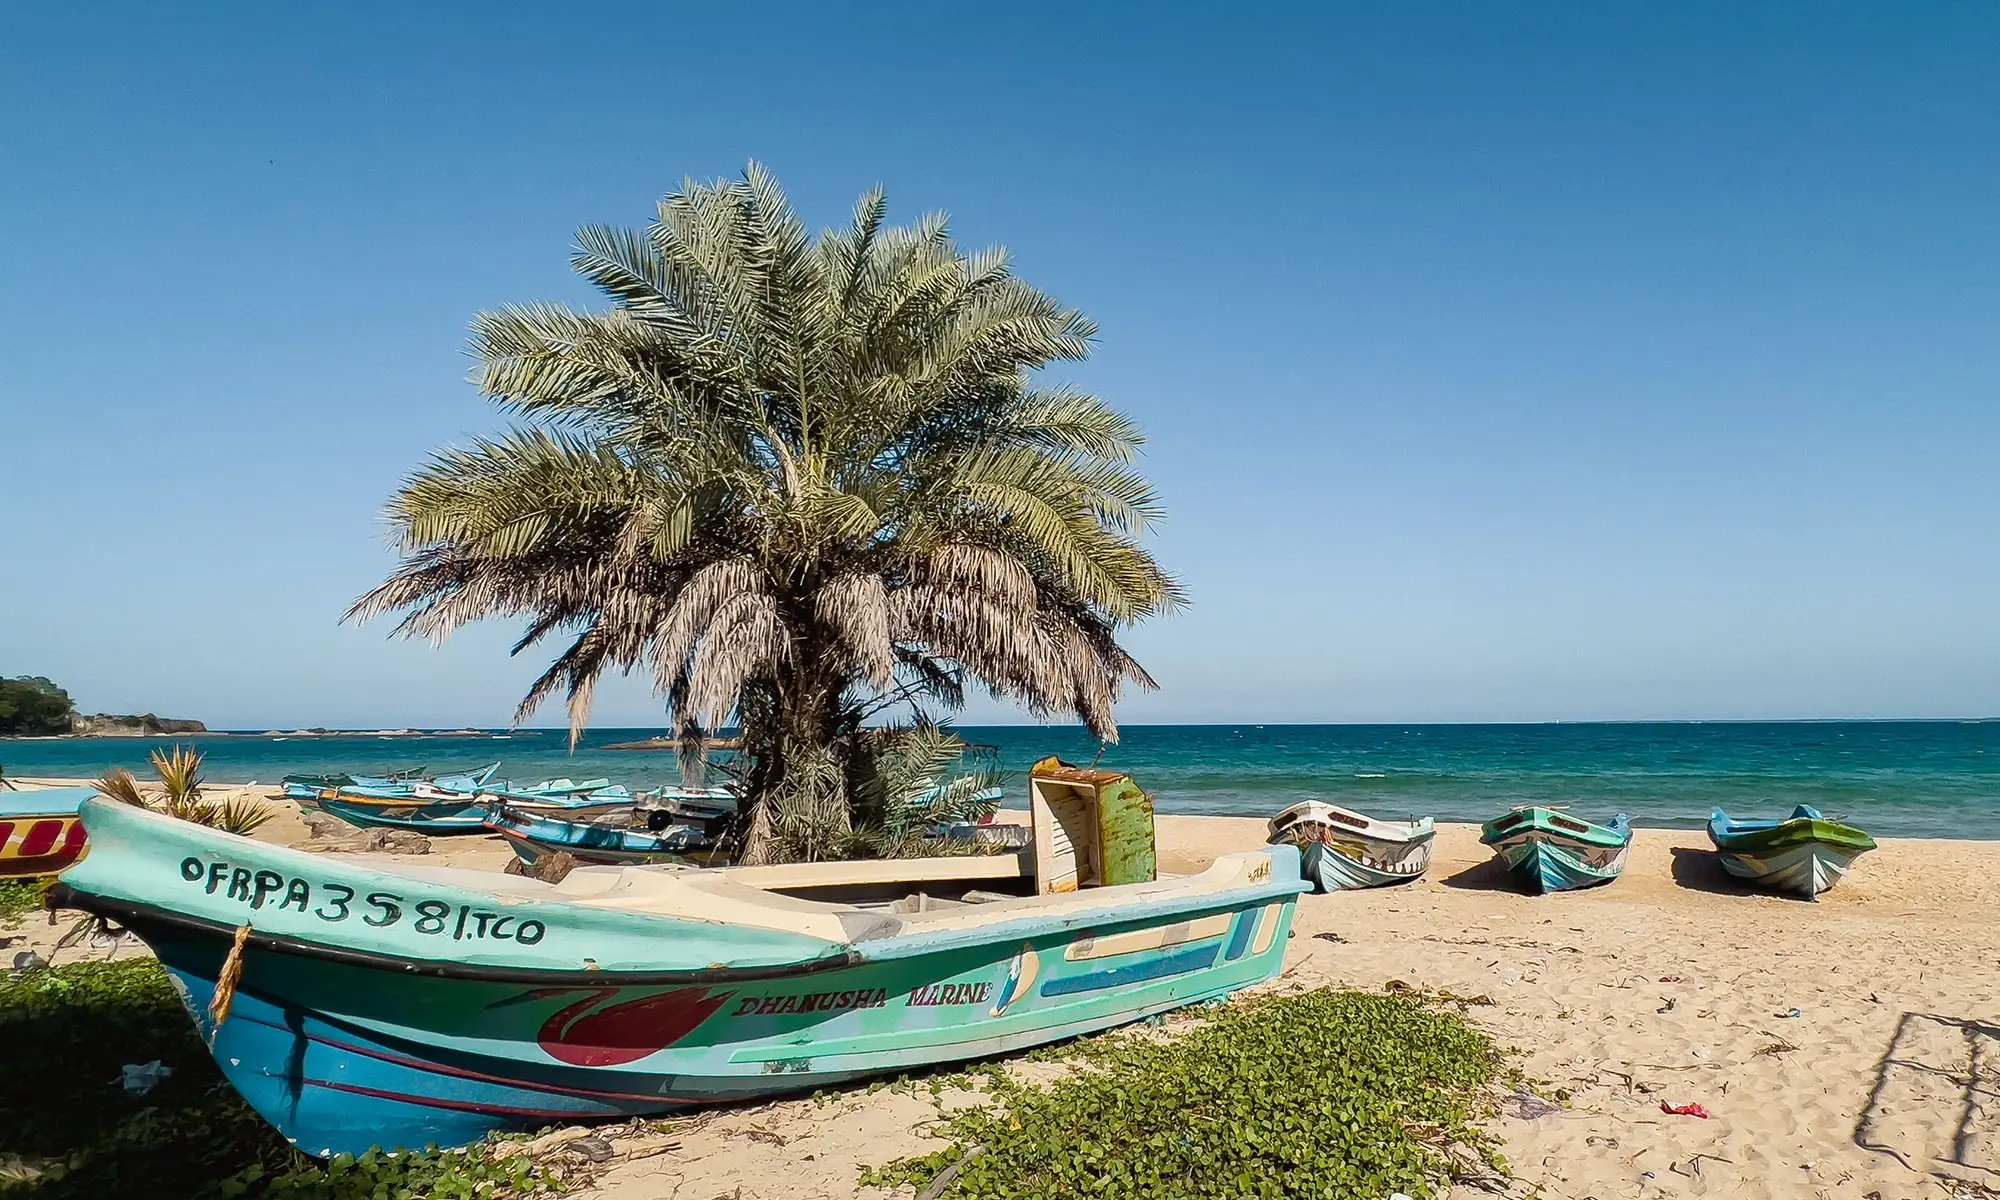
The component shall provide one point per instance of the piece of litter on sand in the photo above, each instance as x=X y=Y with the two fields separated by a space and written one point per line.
x=1668 y=1006
x=592 y=1149
x=1331 y=937
x=141 y=1078
x=1524 y=1107
x=1671 y=979
x=1684 y=1110
x=1784 y=1015
x=28 y=960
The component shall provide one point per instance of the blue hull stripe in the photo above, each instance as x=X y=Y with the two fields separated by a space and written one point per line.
x=1166 y=965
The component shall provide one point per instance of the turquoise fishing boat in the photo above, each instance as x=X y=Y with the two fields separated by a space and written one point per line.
x=310 y=789
x=1551 y=851
x=361 y=1003
x=622 y=835
x=452 y=805
x=1805 y=854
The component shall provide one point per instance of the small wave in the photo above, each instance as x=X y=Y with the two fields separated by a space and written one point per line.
x=1371 y=775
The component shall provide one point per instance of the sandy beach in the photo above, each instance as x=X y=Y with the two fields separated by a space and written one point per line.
x=1845 y=1048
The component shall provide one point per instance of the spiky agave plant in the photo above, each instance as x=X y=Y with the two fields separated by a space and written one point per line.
x=797 y=481
x=180 y=794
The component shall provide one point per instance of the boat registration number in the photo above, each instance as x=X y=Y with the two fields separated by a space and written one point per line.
x=336 y=902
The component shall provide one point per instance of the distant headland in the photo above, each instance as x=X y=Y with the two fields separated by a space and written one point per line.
x=143 y=725
x=32 y=706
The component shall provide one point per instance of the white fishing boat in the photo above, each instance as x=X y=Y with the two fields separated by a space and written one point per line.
x=1341 y=848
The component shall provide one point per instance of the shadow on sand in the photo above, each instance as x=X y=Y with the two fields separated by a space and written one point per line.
x=1935 y=1106
x=1487 y=876
x=1701 y=871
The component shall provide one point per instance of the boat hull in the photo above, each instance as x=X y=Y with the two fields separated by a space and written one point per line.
x=430 y=1005
x=40 y=833
x=446 y=818
x=441 y=819
x=1343 y=849
x=341 y=1059
x=1547 y=850
x=532 y=836
x=1334 y=870
x=1544 y=866
x=1806 y=870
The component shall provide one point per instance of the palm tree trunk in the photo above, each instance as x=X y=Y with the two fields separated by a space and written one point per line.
x=804 y=719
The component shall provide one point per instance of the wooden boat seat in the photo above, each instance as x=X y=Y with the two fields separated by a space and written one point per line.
x=751 y=896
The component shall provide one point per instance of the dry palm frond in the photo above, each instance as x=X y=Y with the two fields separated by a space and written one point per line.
x=118 y=784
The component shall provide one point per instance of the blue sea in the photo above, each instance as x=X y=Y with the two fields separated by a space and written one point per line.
x=1894 y=778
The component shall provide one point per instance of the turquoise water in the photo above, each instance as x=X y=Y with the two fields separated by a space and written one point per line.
x=1895 y=778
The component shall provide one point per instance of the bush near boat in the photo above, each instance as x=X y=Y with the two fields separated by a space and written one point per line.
x=1325 y=1094
x=68 y=1130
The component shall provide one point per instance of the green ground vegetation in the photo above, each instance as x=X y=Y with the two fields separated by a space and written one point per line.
x=1321 y=1094
x=1325 y=1094
x=69 y=1131
x=19 y=898
x=31 y=706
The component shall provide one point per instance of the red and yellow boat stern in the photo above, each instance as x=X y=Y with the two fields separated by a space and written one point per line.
x=40 y=832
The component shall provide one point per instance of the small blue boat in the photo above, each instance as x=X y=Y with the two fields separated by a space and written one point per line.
x=623 y=835
x=311 y=789
x=451 y=805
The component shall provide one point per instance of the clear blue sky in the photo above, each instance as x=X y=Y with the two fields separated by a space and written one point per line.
x=1588 y=361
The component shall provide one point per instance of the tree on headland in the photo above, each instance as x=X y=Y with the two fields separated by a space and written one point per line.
x=31 y=706
x=800 y=482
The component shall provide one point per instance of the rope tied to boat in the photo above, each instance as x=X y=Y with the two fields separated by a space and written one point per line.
x=225 y=984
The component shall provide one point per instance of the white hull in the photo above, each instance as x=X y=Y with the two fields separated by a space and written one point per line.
x=1344 y=849
x=1804 y=870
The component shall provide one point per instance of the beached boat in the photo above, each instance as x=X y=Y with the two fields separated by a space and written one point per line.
x=710 y=809
x=310 y=789
x=621 y=835
x=453 y=805
x=1804 y=854
x=1341 y=848
x=1551 y=851
x=403 y=1004
x=39 y=830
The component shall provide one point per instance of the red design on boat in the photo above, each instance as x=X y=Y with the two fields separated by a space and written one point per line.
x=625 y=1033
x=39 y=845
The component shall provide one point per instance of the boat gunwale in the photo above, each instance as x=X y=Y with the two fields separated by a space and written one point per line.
x=64 y=896
x=1733 y=835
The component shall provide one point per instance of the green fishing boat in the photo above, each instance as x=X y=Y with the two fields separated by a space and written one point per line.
x=1805 y=854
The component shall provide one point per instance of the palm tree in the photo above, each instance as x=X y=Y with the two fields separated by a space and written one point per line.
x=799 y=481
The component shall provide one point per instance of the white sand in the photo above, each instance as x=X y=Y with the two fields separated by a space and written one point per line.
x=1891 y=1084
